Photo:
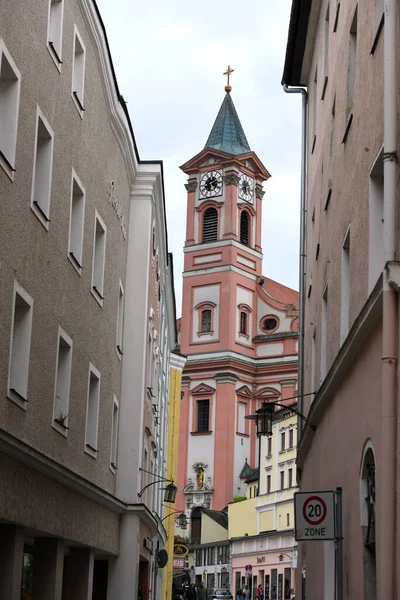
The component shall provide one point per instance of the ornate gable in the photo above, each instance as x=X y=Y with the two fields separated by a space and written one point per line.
x=244 y=391
x=202 y=388
x=267 y=393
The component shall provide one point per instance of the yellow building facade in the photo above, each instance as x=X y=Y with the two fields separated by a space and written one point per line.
x=261 y=528
x=177 y=363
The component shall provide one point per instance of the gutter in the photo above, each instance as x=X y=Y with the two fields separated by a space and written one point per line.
x=302 y=250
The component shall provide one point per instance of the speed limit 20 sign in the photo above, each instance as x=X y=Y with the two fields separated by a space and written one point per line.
x=314 y=515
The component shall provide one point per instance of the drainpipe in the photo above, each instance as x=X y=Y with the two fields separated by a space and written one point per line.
x=302 y=257
x=386 y=468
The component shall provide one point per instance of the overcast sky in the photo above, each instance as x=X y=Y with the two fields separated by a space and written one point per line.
x=169 y=58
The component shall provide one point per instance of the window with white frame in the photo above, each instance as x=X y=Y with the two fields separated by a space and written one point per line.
x=55 y=27
x=92 y=414
x=10 y=87
x=114 y=434
x=21 y=330
x=283 y=441
x=120 y=318
x=99 y=253
x=42 y=169
x=78 y=71
x=63 y=379
x=76 y=222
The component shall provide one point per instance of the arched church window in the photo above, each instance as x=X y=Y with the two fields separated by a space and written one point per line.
x=367 y=499
x=206 y=320
x=245 y=228
x=195 y=525
x=269 y=324
x=243 y=322
x=210 y=225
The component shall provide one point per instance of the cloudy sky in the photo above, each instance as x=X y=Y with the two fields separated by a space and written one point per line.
x=169 y=59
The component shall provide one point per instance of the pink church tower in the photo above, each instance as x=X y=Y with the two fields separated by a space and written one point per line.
x=238 y=328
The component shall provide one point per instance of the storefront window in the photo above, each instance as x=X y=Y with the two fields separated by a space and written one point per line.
x=287 y=583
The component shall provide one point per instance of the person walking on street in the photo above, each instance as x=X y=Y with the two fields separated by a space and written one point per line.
x=246 y=594
x=260 y=592
x=191 y=594
x=201 y=591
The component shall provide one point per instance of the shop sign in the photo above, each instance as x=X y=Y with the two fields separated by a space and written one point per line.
x=148 y=544
x=179 y=563
x=180 y=550
x=260 y=559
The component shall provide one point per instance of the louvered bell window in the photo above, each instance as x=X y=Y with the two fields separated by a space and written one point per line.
x=210 y=225
x=244 y=228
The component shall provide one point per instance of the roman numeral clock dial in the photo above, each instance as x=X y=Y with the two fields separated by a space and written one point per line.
x=211 y=184
x=246 y=188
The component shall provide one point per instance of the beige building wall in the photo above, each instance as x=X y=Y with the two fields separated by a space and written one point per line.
x=211 y=531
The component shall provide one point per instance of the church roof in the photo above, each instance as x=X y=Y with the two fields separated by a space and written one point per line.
x=227 y=132
x=247 y=471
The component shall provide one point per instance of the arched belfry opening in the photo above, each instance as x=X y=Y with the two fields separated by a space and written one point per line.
x=210 y=225
x=245 y=228
x=367 y=500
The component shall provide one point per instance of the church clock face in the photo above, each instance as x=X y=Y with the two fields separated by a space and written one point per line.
x=246 y=188
x=211 y=184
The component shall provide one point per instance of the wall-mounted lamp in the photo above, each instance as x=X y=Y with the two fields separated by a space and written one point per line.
x=170 y=489
x=263 y=417
x=182 y=520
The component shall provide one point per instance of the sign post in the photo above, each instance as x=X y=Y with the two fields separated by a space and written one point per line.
x=314 y=516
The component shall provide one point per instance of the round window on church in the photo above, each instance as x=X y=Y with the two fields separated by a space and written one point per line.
x=269 y=324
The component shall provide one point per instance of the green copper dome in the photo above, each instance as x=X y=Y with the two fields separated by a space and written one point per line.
x=227 y=133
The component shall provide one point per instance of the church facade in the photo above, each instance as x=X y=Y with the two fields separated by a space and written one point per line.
x=238 y=329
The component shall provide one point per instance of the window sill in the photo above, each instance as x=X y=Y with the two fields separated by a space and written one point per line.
x=41 y=215
x=7 y=166
x=15 y=397
x=242 y=434
x=200 y=333
x=200 y=432
x=324 y=87
x=328 y=198
x=378 y=33
x=346 y=133
x=119 y=353
x=113 y=468
x=244 y=335
x=91 y=451
x=54 y=55
x=78 y=104
x=60 y=428
x=74 y=263
x=97 y=296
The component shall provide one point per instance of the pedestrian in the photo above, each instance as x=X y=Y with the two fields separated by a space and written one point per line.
x=201 y=591
x=246 y=594
x=260 y=592
x=292 y=594
x=239 y=594
x=191 y=593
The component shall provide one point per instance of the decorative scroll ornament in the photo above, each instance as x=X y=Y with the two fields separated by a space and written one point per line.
x=231 y=179
x=259 y=193
x=191 y=186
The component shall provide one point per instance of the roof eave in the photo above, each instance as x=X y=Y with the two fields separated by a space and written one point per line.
x=296 y=43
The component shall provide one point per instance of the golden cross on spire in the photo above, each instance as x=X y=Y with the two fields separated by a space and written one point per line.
x=228 y=87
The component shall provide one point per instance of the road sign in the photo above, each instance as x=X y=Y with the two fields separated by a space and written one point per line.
x=314 y=516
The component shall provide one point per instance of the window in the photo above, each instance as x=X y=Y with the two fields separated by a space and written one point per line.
x=10 y=86
x=99 y=252
x=345 y=291
x=241 y=426
x=314 y=112
x=78 y=72
x=92 y=415
x=269 y=324
x=114 y=434
x=205 y=320
x=20 y=346
x=250 y=492
x=243 y=322
x=331 y=150
x=54 y=34
x=376 y=258
x=290 y=438
x=199 y=558
x=324 y=326
x=351 y=73
x=326 y=53
x=313 y=354
x=210 y=556
x=379 y=16
x=268 y=484
x=269 y=451
x=290 y=477
x=288 y=520
x=42 y=169
x=63 y=381
x=76 y=223
x=282 y=480
x=244 y=228
x=120 y=319
x=210 y=225
x=283 y=441
x=203 y=415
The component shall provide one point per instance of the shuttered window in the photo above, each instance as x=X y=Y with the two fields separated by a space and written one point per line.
x=244 y=228
x=210 y=225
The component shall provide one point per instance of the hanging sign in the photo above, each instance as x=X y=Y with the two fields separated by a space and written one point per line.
x=314 y=516
x=180 y=550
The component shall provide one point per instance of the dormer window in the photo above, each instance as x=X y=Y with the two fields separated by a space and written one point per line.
x=245 y=228
x=206 y=320
x=210 y=225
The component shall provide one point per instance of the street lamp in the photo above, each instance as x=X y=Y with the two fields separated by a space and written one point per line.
x=170 y=490
x=182 y=520
x=263 y=417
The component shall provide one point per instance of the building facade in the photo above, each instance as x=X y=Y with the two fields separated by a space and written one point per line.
x=347 y=55
x=261 y=528
x=212 y=555
x=86 y=281
x=238 y=329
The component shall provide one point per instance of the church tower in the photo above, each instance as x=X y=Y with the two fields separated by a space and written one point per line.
x=230 y=316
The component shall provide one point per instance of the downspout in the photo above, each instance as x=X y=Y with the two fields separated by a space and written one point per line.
x=386 y=464
x=302 y=252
